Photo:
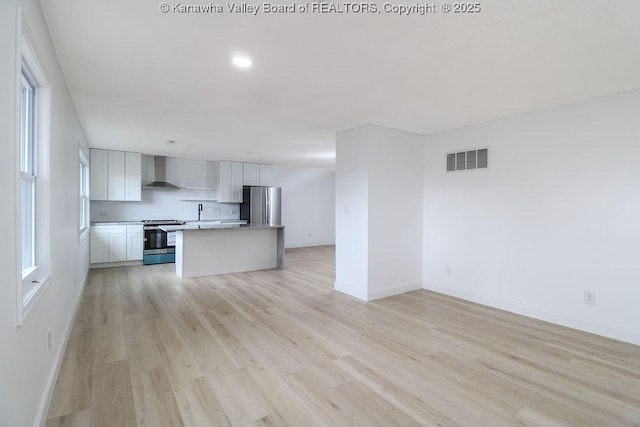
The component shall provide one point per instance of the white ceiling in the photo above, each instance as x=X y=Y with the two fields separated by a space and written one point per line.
x=140 y=78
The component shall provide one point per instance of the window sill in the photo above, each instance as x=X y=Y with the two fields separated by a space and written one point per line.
x=32 y=293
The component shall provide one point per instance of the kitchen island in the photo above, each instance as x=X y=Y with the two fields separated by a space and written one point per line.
x=208 y=249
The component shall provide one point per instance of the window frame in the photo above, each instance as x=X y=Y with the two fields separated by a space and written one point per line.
x=28 y=162
x=31 y=283
x=84 y=196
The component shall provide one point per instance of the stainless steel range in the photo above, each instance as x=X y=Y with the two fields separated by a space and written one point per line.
x=159 y=246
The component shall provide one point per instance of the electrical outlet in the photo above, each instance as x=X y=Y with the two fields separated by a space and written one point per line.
x=102 y=212
x=589 y=298
x=233 y=211
x=449 y=270
x=309 y=235
x=49 y=339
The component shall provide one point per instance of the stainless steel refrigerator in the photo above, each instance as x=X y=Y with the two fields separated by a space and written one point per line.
x=261 y=205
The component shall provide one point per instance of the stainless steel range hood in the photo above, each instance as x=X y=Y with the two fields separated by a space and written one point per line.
x=160 y=175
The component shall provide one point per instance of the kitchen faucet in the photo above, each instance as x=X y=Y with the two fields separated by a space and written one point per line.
x=199 y=210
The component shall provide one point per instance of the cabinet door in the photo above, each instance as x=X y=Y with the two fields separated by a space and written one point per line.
x=133 y=176
x=229 y=182
x=135 y=246
x=236 y=181
x=115 y=185
x=117 y=247
x=99 y=250
x=212 y=175
x=267 y=175
x=99 y=173
x=224 y=181
x=250 y=174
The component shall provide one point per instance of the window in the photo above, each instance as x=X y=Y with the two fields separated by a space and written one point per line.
x=27 y=175
x=83 y=214
x=32 y=179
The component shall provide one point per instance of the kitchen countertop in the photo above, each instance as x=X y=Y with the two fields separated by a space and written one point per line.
x=117 y=223
x=196 y=226
x=188 y=222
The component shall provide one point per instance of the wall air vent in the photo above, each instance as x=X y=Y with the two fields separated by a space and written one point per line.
x=468 y=160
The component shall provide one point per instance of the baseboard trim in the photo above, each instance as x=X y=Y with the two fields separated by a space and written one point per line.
x=361 y=293
x=43 y=409
x=353 y=291
x=115 y=264
x=308 y=245
x=396 y=290
x=603 y=329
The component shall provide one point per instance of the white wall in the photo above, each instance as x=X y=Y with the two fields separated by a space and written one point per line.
x=352 y=212
x=163 y=204
x=395 y=212
x=27 y=367
x=556 y=214
x=308 y=206
x=378 y=212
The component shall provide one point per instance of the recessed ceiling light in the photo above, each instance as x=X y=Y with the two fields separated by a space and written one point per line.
x=171 y=141
x=242 y=61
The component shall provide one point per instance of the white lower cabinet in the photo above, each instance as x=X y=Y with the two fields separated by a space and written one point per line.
x=99 y=247
x=118 y=247
x=116 y=243
x=135 y=242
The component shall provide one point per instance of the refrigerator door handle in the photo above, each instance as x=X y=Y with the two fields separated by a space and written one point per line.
x=267 y=219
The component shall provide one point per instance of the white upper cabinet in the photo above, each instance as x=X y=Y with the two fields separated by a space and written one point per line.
x=224 y=181
x=230 y=181
x=250 y=174
x=258 y=174
x=267 y=175
x=133 y=177
x=236 y=180
x=212 y=175
x=115 y=175
x=99 y=173
x=118 y=176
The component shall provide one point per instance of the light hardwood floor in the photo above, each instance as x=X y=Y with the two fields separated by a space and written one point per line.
x=280 y=347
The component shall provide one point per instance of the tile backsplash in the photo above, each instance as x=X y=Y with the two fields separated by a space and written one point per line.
x=163 y=204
